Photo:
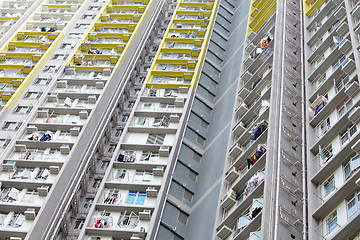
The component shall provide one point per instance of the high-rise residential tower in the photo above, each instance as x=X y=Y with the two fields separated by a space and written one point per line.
x=187 y=119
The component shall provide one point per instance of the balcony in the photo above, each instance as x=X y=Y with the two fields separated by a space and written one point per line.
x=242 y=204
x=248 y=171
x=250 y=220
x=328 y=24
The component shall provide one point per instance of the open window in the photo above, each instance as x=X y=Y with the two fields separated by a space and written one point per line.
x=128 y=220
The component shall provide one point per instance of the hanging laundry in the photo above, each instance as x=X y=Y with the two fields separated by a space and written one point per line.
x=266 y=41
x=266 y=55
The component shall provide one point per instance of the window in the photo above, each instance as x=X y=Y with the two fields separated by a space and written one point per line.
x=74 y=35
x=338 y=62
x=141 y=80
x=136 y=198
x=124 y=118
x=82 y=25
x=105 y=164
x=63 y=136
x=111 y=148
x=22 y=173
x=79 y=223
x=96 y=183
x=167 y=107
x=88 y=16
x=351 y=166
x=118 y=132
x=321 y=80
x=325 y=126
x=334 y=26
x=192 y=175
x=121 y=174
x=188 y=195
x=155 y=139
x=319 y=61
x=67 y=45
x=348 y=133
x=59 y=56
x=183 y=217
x=88 y=202
x=4 y=142
x=136 y=92
x=32 y=95
x=341 y=84
x=343 y=108
x=128 y=220
x=200 y=140
x=329 y=185
x=147 y=105
x=51 y=69
x=353 y=204
x=204 y=124
x=152 y=92
x=331 y=222
x=30 y=196
x=196 y=157
x=130 y=104
x=43 y=81
x=17 y=220
x=143 y=177
x=43 y=174
x=92 y=7
x=150 y=156
x=11 y=126
x=161 y=122
x=23 y=109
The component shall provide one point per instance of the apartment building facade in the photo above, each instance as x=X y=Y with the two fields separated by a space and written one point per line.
x=188 y=119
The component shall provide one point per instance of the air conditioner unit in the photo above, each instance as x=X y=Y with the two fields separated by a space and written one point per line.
x=92 y=99
x=145 y=215
x=65 y=149
x=158 y=171
x=164 y=151
x=61 y=84
x=183 y=89
x=100 y=85
x=67 y=17
x=28 y=26
x=53 y=97
x=54 y=169
x=30 y=214
x=74 y=8
x=136 y=237
x=43 y=190
x=43 y=113
x=74 y=131
x=20 y=148
x=70 y=71
x=9 y=166
x=232 y=175
x=179 y=102
x=174 y=118
x=151 y=192
x=107 y=72
x=83 y=114
x=31 y=129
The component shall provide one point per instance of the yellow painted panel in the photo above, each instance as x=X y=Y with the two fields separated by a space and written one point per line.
x=174 y=61
x=10 y=79
x=34 y=71
x=309 y=10
x=91 y=68
x=58 y=5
